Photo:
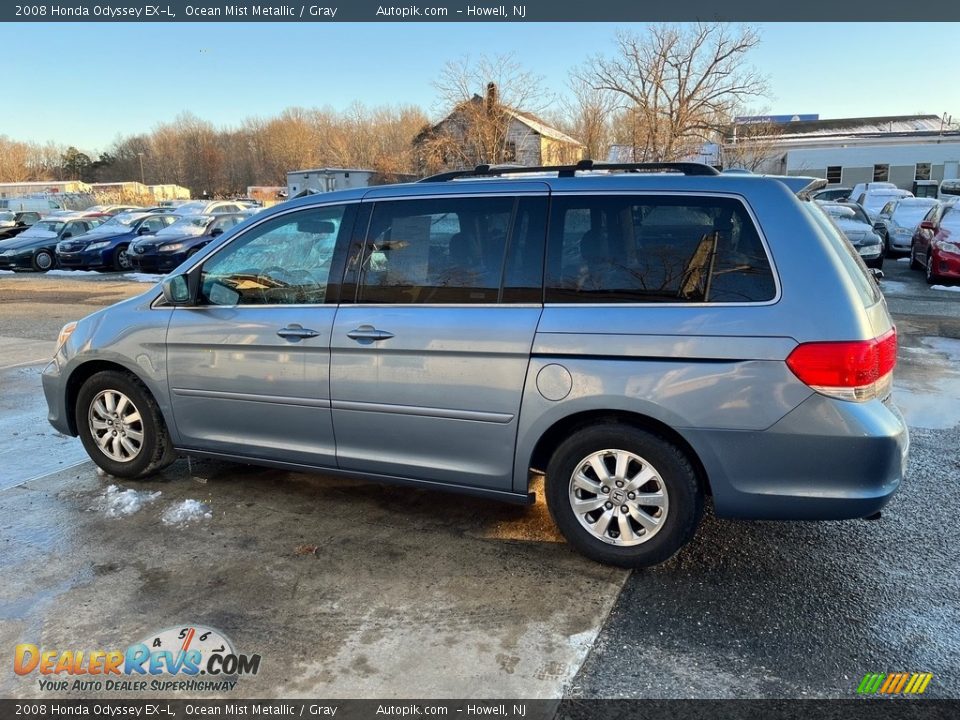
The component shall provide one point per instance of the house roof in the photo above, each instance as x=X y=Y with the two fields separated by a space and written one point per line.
x=529 y=119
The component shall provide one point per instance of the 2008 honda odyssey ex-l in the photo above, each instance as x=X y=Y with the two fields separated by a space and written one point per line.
x=645 y=336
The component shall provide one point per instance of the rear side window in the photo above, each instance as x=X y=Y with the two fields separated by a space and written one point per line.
x=441 y=250
x=655 y=249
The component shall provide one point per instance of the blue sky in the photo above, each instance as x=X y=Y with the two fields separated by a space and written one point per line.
x=87 y=83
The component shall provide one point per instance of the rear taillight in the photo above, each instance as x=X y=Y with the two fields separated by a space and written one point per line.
x=856 y=370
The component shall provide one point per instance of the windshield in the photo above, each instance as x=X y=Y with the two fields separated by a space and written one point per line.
x=44 y=227
x=878 y=200
x=191 y=208
x=950 y=223
x=7 y=218
x=190 y=225
x=839 y=212
x=119 y=222
x=910 y=215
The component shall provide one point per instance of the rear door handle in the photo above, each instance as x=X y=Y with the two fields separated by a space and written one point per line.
x=369 y=333
x=295 y=332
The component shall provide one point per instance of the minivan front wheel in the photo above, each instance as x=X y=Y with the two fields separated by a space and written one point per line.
x=623 y=496
x=121 y=427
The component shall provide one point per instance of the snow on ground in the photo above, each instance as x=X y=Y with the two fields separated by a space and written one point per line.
x=116 y=502
x=948 y=288
x=186 y=512
x=143 y=277
x=894 y=287
x=903 y=259
x=72 y=273
x=927 y=383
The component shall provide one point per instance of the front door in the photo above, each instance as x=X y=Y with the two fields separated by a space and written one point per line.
x=248 y=364
x=428 y=366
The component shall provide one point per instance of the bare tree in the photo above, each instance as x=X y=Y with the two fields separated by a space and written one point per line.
x=752 y=146
x=677 y=87
x=481 y=98
x=588 y=114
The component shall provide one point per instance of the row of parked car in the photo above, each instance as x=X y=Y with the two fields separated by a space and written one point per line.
x=117 y=237
x=881 y=220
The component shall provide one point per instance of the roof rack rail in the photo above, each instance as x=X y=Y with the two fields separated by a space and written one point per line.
x=685 y=168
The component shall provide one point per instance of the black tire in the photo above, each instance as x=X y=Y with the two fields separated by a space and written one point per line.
x=44 y=260
x=155 y=452
x=675 y=472
x=931 y=276
x=121 y=260
x=914 y=265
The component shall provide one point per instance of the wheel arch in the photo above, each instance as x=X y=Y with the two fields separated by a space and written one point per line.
x=566 y=426
x=84 y=372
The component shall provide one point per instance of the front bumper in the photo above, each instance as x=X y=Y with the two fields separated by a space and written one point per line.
x=825 y=460
x=157 y=262
x=22 y=261
x=945 y=265
x=55 y=392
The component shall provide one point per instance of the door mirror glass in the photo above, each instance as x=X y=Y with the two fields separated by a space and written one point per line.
x=176 y=290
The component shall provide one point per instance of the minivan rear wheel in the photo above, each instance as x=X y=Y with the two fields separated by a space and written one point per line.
x=121 y=427
x=623 y=496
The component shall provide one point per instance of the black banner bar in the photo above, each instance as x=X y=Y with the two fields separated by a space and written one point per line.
x=327 y=11
x=855 y=709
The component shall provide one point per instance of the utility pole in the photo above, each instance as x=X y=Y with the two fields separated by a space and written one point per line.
x=142 y=181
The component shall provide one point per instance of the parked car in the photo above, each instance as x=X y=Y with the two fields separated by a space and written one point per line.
x=855 y=226
x=875 y=199
x=936 y=244
x=111 y=210
x=860 y=188
x=184 y=238
x=836 y=194
x=898 y=219
x=37 y=204
x=949 y=190
x=210 y=207
x=643 y=339
x=35 y=247
x=15 y=222
x=106 y=247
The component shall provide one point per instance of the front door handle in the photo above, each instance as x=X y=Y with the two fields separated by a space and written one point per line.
x=295 y=332
x=369 y=333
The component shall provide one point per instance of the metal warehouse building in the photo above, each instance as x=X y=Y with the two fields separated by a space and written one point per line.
x=899 y=149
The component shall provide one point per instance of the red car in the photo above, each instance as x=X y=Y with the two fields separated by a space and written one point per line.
x=935 y=246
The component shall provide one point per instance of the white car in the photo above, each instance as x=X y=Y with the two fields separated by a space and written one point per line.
x=874 y=199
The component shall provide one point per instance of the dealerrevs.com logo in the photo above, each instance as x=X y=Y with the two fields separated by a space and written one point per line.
x=190 y=658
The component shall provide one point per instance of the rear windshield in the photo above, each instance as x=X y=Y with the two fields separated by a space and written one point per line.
x=850 y=259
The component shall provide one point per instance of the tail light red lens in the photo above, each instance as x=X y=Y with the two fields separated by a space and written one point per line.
x=852 y=370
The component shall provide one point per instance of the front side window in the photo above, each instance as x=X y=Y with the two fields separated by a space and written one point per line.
x=441 y=250
x=655 y=249
x=284 y=261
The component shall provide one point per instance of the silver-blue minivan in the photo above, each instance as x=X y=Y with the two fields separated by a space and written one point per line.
x=646 y=337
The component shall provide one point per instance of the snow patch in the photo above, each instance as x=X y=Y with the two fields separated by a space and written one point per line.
x=948 y=288
x=186 y=512
x=72 y=273
x=893 y=287
x=144 y=277
x=903 y=259
x=117 y=502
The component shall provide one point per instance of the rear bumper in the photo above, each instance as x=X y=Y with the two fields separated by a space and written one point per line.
x=826 y=460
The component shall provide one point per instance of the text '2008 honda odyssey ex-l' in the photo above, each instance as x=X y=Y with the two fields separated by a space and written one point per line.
x=645 y=336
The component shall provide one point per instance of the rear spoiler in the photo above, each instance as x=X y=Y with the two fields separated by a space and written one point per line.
x=801 y=186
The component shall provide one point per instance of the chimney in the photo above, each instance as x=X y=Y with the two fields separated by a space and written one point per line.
x=491 y=95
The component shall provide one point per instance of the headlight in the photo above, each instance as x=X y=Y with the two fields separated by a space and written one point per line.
x=172 y=248
x=65 y=332
x=8 y=253
x=97 y=245
x=949 y=247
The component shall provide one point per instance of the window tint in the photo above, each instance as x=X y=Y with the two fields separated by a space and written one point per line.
x=435 y=251
x=283 y=261
x=655 y=249
x=154 y=224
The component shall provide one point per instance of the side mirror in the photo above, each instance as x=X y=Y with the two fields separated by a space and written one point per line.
x=877 y=274
x=927 y=225
x=879 y=226
x=216 y=231
x=66 y=235
x=176 y=290
x=143 y=230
